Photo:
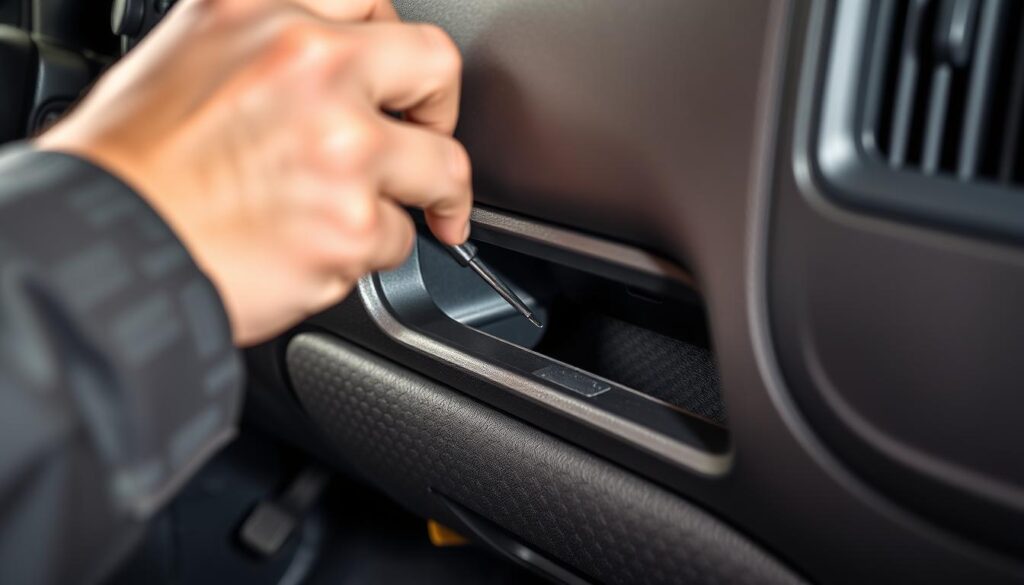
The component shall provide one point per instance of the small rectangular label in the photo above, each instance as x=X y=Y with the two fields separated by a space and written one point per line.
x=573 y=380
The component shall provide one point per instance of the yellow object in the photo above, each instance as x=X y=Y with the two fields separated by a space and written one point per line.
x=441 y=535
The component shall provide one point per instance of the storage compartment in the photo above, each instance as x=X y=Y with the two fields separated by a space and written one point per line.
x=623 y=349
x=648 y=341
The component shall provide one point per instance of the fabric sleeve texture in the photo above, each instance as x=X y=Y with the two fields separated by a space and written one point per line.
x=118 y=377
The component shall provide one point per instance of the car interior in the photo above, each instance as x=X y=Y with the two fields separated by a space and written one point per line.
x=776 y=248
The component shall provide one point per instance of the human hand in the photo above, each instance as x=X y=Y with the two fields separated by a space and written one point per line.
x=258 y=130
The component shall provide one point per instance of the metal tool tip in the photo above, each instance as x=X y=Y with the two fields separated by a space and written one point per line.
x=535 y=321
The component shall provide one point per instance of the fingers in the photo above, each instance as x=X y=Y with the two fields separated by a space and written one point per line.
x=414 y=69
x=395 y=236
x=394 y=241
x=350 y=10
x=384 y=10
x=426 y=169
x=357 y=233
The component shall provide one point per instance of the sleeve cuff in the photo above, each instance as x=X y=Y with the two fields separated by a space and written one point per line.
x=160 y=385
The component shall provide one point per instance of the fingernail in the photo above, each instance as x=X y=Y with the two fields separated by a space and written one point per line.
x=465 y=236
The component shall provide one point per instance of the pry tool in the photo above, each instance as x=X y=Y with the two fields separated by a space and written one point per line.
x=466 y=255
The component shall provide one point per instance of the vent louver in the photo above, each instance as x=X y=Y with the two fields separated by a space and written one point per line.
x=949 y=79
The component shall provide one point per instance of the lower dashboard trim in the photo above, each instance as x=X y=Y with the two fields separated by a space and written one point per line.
x=705 y=463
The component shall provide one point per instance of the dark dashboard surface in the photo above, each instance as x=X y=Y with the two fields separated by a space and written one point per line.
x=570 y=118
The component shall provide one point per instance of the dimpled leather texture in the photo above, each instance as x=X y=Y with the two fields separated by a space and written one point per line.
x=410 y=436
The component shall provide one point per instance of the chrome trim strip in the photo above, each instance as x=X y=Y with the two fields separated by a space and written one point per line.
x=653 y=442
x=623 y=255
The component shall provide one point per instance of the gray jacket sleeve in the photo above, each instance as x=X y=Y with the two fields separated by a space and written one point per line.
x=118 y=377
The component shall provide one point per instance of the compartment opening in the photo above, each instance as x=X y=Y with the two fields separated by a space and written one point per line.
x=647 y=337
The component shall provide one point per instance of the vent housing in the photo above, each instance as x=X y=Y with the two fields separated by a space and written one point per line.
x=952 y=88
x=921 y=113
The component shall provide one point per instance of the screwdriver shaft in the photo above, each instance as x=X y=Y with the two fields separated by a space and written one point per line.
x=465 y=254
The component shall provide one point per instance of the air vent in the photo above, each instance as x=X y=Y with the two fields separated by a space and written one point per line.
x=949 y=88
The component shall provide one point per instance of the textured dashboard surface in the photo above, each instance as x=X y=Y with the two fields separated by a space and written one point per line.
x=411 y=435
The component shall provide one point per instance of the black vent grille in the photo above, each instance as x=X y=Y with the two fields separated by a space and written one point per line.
x=948 y=85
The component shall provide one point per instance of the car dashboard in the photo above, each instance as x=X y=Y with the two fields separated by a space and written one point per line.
x=776 y=246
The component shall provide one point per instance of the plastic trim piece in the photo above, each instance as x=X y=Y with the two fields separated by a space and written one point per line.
x=613 y=254
x=846 y=159
x=818 y=71
x=653 y=442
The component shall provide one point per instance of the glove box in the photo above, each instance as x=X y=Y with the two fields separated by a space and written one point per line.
x=624 y=347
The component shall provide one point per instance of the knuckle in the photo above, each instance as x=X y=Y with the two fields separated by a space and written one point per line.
x=360 y=217
x=212 y=8
x=445 y=52
x=406 y=236
x=351 y=264
x=409 y=230
x=294 y=56
x=298 y=39
x=368 y=137
x=360 y=10
x=461 y=168
x=332 y=291
x=220 y=11
x=353 y=144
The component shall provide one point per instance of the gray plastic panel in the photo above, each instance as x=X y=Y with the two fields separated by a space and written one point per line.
x=402 y=304
x=607 y=115
x=412 y=436
x=902 y=343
